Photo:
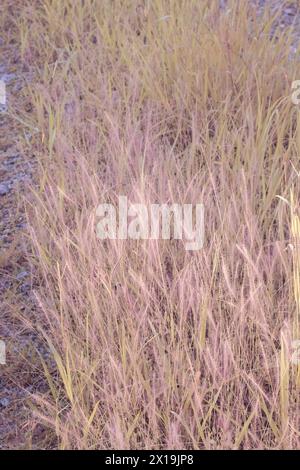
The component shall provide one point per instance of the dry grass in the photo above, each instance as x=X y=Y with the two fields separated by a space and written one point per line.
x=163 y=101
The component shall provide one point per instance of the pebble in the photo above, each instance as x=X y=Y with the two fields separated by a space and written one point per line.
x=4 y=189
x=21 y=275
x=4 y=402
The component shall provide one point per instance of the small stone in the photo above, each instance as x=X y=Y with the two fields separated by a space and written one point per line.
x=4 y=402
x=25 y=288
x=4 y=189
x=21 y=275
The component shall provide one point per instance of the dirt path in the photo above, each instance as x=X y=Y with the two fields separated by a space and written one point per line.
x=17 y=379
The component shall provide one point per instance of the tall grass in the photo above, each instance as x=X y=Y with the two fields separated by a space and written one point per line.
x=163 y=101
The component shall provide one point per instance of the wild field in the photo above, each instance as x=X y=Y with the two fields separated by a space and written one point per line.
x=147 y=345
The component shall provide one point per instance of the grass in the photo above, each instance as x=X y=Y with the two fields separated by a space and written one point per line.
x=153 y=347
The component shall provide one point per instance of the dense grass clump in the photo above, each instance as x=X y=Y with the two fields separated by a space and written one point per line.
x=153 y=346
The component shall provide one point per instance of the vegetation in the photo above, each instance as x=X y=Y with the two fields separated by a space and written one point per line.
x=152 y=346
